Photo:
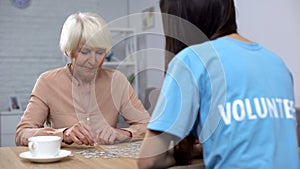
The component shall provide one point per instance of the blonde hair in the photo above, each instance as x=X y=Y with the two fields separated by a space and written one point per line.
x=88 y=29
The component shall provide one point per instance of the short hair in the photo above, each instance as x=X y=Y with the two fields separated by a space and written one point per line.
x=87 y=29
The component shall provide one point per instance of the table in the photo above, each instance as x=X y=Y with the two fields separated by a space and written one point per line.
x=9 y=158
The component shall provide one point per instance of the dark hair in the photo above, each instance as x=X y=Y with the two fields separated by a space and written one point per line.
x=215 y=18
x=201 y=20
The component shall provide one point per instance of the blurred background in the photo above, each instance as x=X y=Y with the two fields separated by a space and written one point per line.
x=30 y=32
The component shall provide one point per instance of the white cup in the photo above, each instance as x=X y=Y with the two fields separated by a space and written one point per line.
x=44 y=146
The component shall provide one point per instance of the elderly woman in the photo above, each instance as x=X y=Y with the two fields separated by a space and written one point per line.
x=81 y=102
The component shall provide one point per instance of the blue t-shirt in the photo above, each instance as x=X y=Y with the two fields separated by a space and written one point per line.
x=237 y=98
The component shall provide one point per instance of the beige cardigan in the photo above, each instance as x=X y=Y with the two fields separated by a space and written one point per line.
x=56 y=100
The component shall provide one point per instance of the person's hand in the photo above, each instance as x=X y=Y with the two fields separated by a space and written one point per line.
x=108 y=135
x=79 y=133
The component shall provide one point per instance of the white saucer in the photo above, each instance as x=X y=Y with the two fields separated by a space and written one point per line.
x=62 y=154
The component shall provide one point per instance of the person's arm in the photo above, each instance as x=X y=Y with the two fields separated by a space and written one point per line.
x=176 y=112
x=184 y=150
x=32 y=122
x=135 y=115
x=155 y=151
x=130 y=107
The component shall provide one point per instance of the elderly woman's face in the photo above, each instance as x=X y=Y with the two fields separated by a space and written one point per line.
x=87 y=62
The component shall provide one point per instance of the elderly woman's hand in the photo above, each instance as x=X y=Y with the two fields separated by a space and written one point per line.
x=108 y=135
x=79 y=133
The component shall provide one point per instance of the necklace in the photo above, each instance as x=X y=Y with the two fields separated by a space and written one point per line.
x=85 y=96
x=85 y=102
x=82 y=93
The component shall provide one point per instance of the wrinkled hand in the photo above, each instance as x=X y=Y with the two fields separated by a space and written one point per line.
x=108 y=135
x=79 y=133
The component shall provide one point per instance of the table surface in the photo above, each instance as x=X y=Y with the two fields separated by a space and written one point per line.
x=9 y=158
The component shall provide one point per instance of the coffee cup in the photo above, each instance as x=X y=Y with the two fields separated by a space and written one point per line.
x=44 y=146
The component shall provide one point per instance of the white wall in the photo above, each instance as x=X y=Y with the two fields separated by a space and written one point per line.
x=276 y=25
x=29 y=40
x=150 y=45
